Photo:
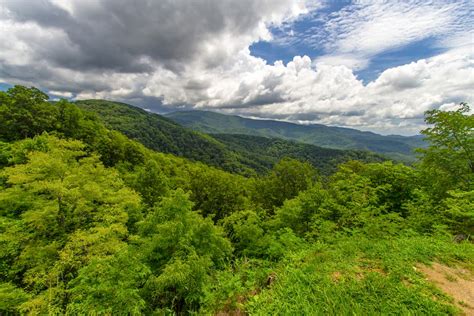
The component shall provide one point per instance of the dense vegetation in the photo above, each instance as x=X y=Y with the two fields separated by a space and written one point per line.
x=262 y=153
x=92 y=222
x=397 y=147
x=235 y=153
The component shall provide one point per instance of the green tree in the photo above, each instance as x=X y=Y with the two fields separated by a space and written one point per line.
x=459 y=212
x=216 y=193
x=298 y=213
x=181 y=248
x=285 y=181
x=110 y=285
x=247 y=232
x=394 y=183
x=448 y=163
x=10 y=298
x=150 y=182
x=58 y=210
x=25 y=112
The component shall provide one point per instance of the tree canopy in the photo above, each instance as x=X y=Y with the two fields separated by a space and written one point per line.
x=93 y=222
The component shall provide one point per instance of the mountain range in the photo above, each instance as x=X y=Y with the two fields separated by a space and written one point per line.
x=238 y=153
x=393 y=146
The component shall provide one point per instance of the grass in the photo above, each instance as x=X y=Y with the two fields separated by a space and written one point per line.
x=352 y=276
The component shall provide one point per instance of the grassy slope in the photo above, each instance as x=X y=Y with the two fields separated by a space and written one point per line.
x=235 y=153
x=350 y=276
x=320 y=135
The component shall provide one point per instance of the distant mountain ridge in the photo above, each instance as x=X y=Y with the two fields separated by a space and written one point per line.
x=235 y=153
x=395 y=146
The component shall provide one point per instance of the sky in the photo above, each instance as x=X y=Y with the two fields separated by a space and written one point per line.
x=369 y=65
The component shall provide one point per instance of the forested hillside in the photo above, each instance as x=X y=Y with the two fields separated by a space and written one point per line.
x=397 y=147
x=234 y=153
x=262 y=153
x=93 y=222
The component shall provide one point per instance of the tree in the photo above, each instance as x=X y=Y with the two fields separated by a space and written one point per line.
x=150 y=182
x=459 y=212
x=285 y=181
x=181 y=249
x=298 y=213
x=448 y=162
x=25 y=112
x=395 y=184
x=245 y=230
x=110 y=285
x=58 y=210
x=217 y=193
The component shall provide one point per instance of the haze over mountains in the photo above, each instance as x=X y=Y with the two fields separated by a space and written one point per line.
x=395 y=146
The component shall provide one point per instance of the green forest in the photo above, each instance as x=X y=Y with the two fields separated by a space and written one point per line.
x=236 y=153
x=101 y=215
x=399 y=147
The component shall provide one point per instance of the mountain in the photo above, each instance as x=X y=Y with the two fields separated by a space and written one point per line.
x=264 y=151
x=242 y=154
x=399 y=147
x=157 y=132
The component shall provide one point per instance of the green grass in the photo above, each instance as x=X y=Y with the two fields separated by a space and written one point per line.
x=352 y=276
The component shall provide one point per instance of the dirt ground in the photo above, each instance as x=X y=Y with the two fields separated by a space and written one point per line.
x=456 y=282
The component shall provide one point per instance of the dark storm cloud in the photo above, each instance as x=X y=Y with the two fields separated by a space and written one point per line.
x=42 y=12
x=128 y=36
x=45 y=76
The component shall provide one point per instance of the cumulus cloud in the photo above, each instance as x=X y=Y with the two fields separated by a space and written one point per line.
x=394 y=102
x=96 y=45
x=130 y=36
x=164 y=55
x=358 y=32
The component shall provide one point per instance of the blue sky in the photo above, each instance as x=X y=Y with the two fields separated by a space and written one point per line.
x=290 y=39
x=4 y=86
x=273 y=51
x=374 y=65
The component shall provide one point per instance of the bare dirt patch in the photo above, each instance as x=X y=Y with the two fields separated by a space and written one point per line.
x=456 y=282
x=336 y=276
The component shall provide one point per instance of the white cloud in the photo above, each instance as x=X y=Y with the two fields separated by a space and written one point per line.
x=173 y=62
x=358 y=32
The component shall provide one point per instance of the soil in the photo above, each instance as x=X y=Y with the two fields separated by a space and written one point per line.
x=456 y=282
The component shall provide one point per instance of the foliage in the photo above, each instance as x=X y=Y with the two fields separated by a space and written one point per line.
x=449 y=160
x=216 y=193
x=95 y=287
x=459 y=212
x=150 y=181
x=241 y=154
x=92 y=222
x=24 y=112
x=397 y=147
x=161 y=134
x=181 y=248
x=285 y=181
x=262 y=153
x=60 y=209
